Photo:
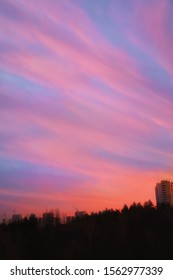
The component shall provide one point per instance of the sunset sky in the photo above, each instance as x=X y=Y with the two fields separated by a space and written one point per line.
x=86 y=103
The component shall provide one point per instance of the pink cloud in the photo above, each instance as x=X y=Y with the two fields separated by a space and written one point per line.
x=154 y=25
x=99 y=108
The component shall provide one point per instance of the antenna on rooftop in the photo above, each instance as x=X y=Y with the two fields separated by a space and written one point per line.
x=75 y=208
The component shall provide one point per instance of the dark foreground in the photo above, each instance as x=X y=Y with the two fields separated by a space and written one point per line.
x=137 y=232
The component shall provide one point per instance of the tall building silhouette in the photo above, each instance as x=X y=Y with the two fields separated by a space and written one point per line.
x=164 y=192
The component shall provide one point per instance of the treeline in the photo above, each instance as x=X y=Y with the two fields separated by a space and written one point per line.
x=135 y=232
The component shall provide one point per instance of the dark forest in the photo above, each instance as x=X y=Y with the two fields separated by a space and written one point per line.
x=135 y=232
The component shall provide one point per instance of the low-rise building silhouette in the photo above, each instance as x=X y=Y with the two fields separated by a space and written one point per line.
x=79 y=214
x=16 y=218
x=48 y=219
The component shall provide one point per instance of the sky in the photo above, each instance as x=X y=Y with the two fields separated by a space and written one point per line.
x=86 y=103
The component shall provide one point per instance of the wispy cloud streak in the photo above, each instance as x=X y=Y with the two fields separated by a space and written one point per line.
x=86 y=101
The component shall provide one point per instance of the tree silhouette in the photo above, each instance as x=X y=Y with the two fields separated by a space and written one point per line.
x=135 y=232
